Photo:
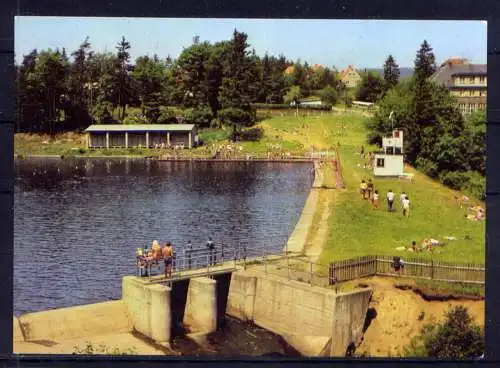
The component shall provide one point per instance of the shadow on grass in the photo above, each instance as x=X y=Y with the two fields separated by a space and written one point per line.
x=252 y=134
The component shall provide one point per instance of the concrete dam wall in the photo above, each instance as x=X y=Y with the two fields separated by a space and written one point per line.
x=73 y=322
x=314 y=320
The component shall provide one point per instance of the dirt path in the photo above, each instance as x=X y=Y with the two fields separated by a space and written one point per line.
x=318 y=232
x=397 y=317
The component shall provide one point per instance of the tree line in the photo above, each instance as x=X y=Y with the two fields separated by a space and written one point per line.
x=210 y=83
x=439 y=140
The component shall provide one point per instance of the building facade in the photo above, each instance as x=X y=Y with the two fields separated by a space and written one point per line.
x=390 y=161
x=350 y=77
x=467 y=82
x=141 y=135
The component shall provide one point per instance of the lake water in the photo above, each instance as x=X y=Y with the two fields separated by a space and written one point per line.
x=78 y=222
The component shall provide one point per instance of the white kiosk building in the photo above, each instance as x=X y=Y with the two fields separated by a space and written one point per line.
x=389 y=161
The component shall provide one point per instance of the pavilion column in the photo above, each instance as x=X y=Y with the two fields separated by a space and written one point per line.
x=168 y=139
x=126 y=139
x=147 y=139
x=107 y=140
x=190 y=140
x=88 y=140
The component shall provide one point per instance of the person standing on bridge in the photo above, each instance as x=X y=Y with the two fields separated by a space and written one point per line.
x=211 y=250
x=168 y=252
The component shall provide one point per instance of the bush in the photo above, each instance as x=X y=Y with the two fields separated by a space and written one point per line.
x=428 y=167
x=458 y=337
x=472 y=182
x=476 y=185
x=294 y=93
x=103 y=112
x=135 y=118
x=201 y=116
x=167 y=116
x=236 y=116
x=329 y=96
x=454 y=179
x=151 y=112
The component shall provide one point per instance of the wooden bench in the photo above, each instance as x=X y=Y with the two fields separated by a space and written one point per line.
x=406 y=176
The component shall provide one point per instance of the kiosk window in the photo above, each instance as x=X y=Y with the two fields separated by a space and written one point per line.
x=380 y=162
x=389 y=150
x=397 y=150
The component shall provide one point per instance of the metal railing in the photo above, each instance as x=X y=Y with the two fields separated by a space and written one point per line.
x=204 y=260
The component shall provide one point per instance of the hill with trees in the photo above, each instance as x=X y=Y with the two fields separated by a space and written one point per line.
x=211 y=84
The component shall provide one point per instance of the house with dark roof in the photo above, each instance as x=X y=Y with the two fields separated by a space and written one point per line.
x=467 y=82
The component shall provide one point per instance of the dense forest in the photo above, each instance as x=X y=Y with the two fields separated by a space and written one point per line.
x=208 y=83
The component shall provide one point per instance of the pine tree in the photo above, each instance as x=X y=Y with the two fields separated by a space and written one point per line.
x=122 y=74
x=425 y=62
x=391 y=72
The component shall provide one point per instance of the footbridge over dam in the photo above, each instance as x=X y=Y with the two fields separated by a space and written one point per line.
x=280 y=293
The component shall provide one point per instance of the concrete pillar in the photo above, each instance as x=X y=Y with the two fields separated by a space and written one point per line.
x=126 y=139
x=161 y=318
x=147 y=139
x=88 y=140
x=168 y=139
x=201 y=305
x=340 y=328
x=190 y=140
x=107 y=140
x=148 y=307
x=241 y=298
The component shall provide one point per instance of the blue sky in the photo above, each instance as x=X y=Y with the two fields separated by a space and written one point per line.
x=364 y=43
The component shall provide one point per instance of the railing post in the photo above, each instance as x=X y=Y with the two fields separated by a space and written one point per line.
x=234 y=256
x=432 y=269
x=244 y=257
x=208 y=261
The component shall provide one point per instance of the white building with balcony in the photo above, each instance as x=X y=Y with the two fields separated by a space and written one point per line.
x=389 y=161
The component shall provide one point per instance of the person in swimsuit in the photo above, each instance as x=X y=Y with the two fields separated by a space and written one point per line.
x=156 y=251
x=168 y=252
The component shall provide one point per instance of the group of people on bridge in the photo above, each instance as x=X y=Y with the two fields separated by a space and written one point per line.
x=153 y=256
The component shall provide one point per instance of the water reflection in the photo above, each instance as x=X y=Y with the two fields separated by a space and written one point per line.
x=78 y=222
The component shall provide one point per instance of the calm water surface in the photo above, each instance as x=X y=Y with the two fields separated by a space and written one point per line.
x=77 y=222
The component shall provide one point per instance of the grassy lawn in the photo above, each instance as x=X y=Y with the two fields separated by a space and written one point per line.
x=354 y=228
